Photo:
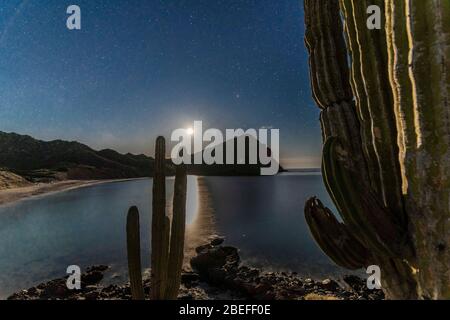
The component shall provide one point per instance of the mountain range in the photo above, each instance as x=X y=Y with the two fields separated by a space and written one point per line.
x=44 y=161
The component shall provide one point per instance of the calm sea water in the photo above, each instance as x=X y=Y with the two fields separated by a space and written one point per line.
x=263 y=216
x=40 y=237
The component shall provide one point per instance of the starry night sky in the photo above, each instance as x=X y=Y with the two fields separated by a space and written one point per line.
x=138 y=69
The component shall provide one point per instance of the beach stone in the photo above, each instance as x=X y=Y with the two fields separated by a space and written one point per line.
x=188 y=277
x=94 y=295
x=90 y=288
x=354 y=282
x=329 y=284
x=91 y=278
x=217 y=241
x=55 y=289
x=214 y=257
x=202 y=248
x=32 y=291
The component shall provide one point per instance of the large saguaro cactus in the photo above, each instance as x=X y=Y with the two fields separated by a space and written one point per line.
x=167 y=237
x=386 y=131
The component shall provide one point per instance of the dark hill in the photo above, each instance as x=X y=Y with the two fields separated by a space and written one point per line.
x=40 y=160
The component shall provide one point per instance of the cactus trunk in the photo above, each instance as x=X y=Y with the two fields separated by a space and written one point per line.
x=385 y=122
x=160 y=237
x=134 y=254
x=177 y=235
x=167 y=236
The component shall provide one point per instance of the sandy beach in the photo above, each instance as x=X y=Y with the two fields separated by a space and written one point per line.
x=15 y=194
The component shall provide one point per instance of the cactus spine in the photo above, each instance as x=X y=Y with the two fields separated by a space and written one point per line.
x=167 y=236
x=386 y=132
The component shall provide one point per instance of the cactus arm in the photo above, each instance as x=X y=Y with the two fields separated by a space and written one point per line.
x=159 y=225
x=365 y=216
x=334 y=238
x=134 y=254
x=177 y=235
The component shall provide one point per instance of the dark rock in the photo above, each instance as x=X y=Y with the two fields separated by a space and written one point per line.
x=90 y=288
x=209 y=258
x=354 y=282
x=298 y=291
x=202 y=248
x=100 y=268
x=253 y=273
x=32 y=291
x=91 y=278
x=329 y=284
x=94 y=295
x=56 y=289
x=217 y=241
x=188 y=277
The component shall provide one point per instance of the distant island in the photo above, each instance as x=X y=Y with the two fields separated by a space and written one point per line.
x=24 y=158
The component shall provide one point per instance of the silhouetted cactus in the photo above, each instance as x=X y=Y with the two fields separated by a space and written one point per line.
x=134 y=254
x=386 y=132
x=167 y=239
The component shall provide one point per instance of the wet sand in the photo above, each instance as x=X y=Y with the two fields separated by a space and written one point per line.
x=8 y=196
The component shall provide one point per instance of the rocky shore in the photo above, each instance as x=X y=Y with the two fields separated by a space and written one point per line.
x=218 y=274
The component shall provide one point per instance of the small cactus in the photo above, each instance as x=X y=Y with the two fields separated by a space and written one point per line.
x=167 y=237
x=134 y=254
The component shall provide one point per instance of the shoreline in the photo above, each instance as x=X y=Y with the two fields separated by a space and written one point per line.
x=216 y=273
x=211 y=270
x=13 y=195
